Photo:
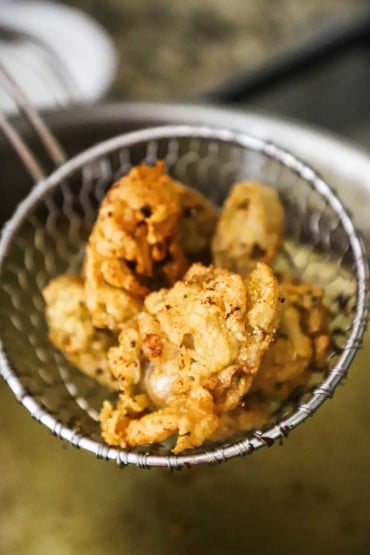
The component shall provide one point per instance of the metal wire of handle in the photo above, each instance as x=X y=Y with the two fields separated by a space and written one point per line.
x=51 y=145
x=54 y=63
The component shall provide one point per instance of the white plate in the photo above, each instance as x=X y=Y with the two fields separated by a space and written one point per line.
x=80 y=45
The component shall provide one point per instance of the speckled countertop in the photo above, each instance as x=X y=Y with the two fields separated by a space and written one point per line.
x=173 y=49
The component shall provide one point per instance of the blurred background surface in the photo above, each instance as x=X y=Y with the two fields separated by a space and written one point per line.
x=310 y=496
x=306 y=60
x=175 y=50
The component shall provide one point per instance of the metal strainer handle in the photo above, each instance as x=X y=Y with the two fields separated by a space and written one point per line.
x=51 y=145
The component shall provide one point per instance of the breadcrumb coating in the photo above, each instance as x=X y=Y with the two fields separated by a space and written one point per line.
x=194 y=348
x=191 y=416
x=302 y=341
x=197 y=224
x=147 y=225
x=133 y=247
x=71 y=329
x=301 y=345
x=250 y=228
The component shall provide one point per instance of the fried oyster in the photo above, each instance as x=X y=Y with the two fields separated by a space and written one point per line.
x=301 y=344
x=191 y=355
x=197 y=224
x=250 y=228
x=71 y=329
x=133 y=247
x=147 y=225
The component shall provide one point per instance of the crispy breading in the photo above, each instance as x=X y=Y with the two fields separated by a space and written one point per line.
x=301 y=344
x=109 y=306
x=114 y=421
x=134 y=245
x=302 y=341
x=72 y=332
x=204 y=337
x=197 y=224
x=250 y=228
x=191 y=416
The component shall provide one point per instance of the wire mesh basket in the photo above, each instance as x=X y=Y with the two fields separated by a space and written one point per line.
x=47 y=235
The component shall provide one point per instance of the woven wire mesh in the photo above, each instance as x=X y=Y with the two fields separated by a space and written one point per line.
x=47 y=236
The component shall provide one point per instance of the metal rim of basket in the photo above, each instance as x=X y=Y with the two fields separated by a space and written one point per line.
x=259 y=439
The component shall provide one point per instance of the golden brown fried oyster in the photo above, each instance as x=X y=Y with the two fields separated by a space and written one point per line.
x=134 y=246
x=301 y=344
x=194 y=350
x=197 y=224
x=250 y=228
x=72 y=332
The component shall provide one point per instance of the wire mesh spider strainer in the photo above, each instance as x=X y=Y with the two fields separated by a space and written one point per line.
x=47 y=233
